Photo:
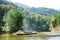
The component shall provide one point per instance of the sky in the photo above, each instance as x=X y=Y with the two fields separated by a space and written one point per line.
x=54 y=4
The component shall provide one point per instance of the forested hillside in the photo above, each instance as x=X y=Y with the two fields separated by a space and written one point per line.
x=14 y=17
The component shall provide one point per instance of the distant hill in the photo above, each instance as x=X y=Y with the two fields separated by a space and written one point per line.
x=43 y=11
x=6 y=2
x=3 y=2
x=40 y=10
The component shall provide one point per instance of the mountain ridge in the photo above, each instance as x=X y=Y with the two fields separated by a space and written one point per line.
x=40 y=10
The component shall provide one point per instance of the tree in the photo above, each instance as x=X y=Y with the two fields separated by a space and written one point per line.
x=56 y=21
x=4 y=9
x=13 y=20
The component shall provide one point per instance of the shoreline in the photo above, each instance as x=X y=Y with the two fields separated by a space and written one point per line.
x=39 y=34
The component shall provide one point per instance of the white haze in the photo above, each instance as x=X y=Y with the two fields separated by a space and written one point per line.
x=54 y=4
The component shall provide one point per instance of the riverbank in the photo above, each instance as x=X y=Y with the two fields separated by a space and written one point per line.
x=29 y=37
x=39 y=34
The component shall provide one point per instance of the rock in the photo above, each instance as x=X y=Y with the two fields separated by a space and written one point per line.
x=19 y=32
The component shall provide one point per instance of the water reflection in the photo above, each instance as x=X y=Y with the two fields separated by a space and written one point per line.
x=54 y=38
x=29 y=38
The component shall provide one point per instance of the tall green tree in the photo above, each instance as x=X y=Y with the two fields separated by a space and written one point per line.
x=4 y=9
x=13 y=20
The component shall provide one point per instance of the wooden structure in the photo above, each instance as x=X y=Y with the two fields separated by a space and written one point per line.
x=20 y=32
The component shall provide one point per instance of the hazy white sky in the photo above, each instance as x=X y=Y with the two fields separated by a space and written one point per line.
x=54 y=4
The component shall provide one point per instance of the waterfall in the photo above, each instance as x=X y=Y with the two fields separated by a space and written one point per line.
x=26 y=25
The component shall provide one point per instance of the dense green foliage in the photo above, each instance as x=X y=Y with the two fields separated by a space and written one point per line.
x=38 y=22
x=13 y=20
x=56 y=19
x=4 y=9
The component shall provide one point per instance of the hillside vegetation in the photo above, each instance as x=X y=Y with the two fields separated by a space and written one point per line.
x=14 y=18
